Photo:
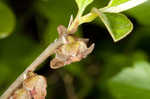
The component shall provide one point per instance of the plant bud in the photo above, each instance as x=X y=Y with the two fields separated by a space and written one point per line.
x=21 y=94
x=73 y=50
x=36 y=85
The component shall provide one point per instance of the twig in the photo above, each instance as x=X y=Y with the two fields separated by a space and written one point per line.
x=68 y=80
x=43 y=56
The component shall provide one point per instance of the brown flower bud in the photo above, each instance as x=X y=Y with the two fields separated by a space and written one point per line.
x=73 y=50
x=21 y=94
x=36 y=85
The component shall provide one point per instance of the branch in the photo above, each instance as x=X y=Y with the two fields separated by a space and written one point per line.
x=69 y=87
x=43 y=56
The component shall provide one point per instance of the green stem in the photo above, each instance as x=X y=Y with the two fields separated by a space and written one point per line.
x=80 y=20
x=74 y=25
x=88 y=18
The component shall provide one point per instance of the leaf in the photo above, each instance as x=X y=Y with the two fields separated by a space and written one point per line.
x=7 y=21
x=82 y=4
x=141 y=18
x=116 y=6
x=132 y=83
x=118 y=25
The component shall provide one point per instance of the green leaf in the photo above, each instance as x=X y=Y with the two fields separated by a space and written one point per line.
x=82 y=4
x=116 y=6
x=118 y=25
x=138 y=14
x=7 y=21
x=132 y=83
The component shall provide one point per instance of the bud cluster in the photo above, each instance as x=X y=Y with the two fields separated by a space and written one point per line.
x=33 y=87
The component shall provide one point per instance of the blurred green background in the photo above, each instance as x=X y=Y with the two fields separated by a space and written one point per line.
x=113 y=71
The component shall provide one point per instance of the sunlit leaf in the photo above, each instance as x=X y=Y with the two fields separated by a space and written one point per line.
x=138 y=13
x=116 y=6
x=7 y=21
x=82 y=4
x=118 y=25
x=132 y=83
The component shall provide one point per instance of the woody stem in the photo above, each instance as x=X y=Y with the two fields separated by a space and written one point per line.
x=41 y=58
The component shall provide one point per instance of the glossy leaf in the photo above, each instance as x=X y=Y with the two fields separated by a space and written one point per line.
x=116 y=6
x=82 y=4
x=132 y=83
x=138 y=13
x=7 y=21
x=118 y=25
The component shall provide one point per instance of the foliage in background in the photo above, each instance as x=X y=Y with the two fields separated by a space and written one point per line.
x=7 y=21
x=110 y=72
